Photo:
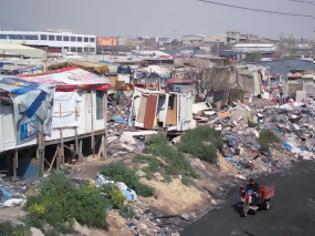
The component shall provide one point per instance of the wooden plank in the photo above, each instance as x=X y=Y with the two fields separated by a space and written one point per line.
x=80 y=148
x=104 y=140
x=76 y=133
x=149 y=118
x=92 y=124
x=15 y=162
x=62 y=150
x=172 y=111
x=54 y=159
x=101 y=150
x=142 y=109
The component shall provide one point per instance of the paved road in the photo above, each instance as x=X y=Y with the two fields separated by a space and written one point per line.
x=292 y=210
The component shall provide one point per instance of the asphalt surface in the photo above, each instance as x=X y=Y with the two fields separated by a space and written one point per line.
x=292 y=211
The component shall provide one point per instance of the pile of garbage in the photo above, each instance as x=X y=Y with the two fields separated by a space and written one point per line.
x=128 y=193
x=152 y=222
x=12 y=195
x=240 y=125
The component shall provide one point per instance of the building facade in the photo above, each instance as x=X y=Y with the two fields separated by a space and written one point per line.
x=52 y=41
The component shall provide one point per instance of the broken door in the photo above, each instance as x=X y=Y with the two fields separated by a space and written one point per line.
x=150 y=112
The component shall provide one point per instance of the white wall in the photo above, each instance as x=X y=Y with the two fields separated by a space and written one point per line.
x=7 y=130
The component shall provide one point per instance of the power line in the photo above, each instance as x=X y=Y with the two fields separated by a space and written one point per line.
x=303 y=1
x=258 y=10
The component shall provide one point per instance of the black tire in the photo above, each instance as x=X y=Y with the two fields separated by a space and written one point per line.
x=267 y=205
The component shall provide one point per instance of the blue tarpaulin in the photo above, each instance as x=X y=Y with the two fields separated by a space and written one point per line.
x=4 y=194
x=119 y=119
x=32 y=105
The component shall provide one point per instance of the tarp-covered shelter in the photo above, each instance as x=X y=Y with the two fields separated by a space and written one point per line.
x=77 y=111
x=18 y=50
x=24 y=108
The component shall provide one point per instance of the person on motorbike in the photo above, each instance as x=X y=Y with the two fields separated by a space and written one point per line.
x=253 y=187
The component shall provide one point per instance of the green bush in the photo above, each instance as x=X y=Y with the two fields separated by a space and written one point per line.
x=176 y=163
x=202 y=142
x=118 y=201
x=267 y=137
x=120 y=172
x=60 y=201
x=8 y=229
x=127 y=212
x=154 y=165
x=115 y=195
x=251 y=122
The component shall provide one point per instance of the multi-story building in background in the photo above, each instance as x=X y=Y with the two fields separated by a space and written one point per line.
x=52 y=41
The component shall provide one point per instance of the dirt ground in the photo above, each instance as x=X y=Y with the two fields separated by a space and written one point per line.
x=13 y=214
x=117 y=226
x=174 y=197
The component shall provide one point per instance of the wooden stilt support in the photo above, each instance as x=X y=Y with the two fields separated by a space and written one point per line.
x=15 y=162
x=54 y=159
x=81 y=148
x=101 y=150
x=62 y=150
x=77 y=147
x=40 y=152
x=92 y=124
x=104 y=138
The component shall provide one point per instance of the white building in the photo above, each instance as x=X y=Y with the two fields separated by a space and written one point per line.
x=52 y=41
x=255 y=47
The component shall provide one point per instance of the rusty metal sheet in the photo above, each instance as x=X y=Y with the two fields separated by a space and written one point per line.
x=149 y=118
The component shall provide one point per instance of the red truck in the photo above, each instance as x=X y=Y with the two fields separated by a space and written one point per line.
x=253 y=201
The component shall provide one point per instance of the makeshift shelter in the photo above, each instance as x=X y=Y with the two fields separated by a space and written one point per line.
x=18 y=50
x=25 y=112
x=97 y=68
x=154 y=109
x=78 y=115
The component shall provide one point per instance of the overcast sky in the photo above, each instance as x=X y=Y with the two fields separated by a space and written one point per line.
x=172 y=18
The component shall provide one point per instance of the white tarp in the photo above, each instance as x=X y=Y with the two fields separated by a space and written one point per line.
x=65 y=107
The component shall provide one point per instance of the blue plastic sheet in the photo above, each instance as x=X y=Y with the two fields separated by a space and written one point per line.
x=287 y=146
x=119 y=119
x=4 y=194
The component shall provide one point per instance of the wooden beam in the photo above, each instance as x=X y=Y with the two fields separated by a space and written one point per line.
x=101 y=150
x=62 y=150
x=15 y=162
x=40 y=152
x=81 y=148
x=54 y=159
x=104 y=140
x=76 y=133
x=92 y=124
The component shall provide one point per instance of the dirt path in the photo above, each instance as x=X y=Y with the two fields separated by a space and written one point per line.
x=292 y=211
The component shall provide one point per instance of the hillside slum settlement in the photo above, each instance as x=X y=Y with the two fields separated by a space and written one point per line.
x=72 y=110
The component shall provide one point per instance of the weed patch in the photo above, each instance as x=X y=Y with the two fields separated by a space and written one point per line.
x=118 y=200
x=201 y=142
x=176 y=163
x=120 y=172
x=60 y=201
x=267 y=137
x=8 y=229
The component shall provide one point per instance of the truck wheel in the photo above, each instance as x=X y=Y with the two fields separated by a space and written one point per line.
x=267 y=205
